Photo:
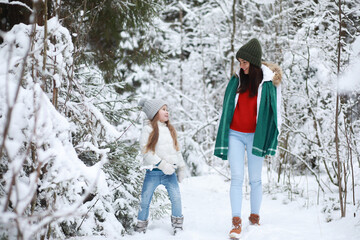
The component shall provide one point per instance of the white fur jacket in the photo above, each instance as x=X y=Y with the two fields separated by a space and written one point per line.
x=164 y=149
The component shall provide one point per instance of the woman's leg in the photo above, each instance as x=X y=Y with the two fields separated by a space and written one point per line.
x=151 y=181
x=255 y=169
x=236 y=160
x=172 y=187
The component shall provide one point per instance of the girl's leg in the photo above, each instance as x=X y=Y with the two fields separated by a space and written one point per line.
x=255 y=169
x=236 y=160
x=151 y=181
x=172 y=187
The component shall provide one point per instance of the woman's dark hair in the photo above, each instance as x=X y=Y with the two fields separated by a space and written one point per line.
x=250 y=81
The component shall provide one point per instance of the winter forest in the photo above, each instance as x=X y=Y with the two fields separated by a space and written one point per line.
x=72 y=74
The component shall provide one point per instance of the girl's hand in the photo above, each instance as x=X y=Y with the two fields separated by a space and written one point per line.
x=167 y=168
x=181 y=174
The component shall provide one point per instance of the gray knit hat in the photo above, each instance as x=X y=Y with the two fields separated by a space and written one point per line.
x=151 y=107
x=251 y=52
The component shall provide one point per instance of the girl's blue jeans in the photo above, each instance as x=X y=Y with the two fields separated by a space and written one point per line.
x=152 y=180
x=238 y=142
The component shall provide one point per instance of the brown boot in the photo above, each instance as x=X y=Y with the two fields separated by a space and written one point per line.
x=254 y=219
x=235 y=232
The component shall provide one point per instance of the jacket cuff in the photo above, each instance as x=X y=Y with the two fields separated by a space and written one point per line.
x=151 y=159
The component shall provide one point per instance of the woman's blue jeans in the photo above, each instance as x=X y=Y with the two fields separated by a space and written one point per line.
x=238 y=142
x=152 y=180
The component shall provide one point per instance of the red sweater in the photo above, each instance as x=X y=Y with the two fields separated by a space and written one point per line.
x=244 y=119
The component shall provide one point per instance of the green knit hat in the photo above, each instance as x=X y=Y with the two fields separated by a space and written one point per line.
x=251 y=52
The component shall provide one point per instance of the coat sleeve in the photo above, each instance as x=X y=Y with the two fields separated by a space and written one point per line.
x=222 y=136
x=150 y=158
x=180 y=159
x=278 y=107
x=266 y=133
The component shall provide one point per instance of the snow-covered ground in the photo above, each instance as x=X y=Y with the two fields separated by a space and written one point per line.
x=206 y=208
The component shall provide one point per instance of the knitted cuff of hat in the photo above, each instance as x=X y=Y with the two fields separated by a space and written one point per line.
x=151 y=107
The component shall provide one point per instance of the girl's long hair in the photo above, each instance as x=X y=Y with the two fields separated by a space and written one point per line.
x=250 y=81
x=154 y=135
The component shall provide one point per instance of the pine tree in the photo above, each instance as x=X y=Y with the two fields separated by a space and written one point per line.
x=93 y=109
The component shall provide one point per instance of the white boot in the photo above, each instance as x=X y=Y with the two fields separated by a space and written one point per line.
x=141 y=226
x=177 y=223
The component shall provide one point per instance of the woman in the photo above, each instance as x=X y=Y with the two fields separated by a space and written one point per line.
x=250 y=121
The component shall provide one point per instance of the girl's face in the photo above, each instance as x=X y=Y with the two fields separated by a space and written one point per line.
x=245 y=65
x=163 y=114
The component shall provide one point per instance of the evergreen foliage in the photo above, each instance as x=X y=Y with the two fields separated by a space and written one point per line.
x=91 y=116
x=113 y=35
x=70 y=163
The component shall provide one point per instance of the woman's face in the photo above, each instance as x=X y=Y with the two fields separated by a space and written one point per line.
x=245 y=65
x=163 y=114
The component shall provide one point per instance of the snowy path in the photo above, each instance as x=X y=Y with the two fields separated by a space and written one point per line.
x=206 y=208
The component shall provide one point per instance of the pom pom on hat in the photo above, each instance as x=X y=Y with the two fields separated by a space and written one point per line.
x=151 y=107
x=142 y=102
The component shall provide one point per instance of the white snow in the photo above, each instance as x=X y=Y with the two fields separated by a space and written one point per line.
x=207 y=216
x=17 y=3
x=349 y=80
x=264 y=1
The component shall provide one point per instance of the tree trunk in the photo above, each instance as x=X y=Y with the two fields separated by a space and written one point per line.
x=339 y=165
x=181 y=56
x=233 y=37
x=43 y=86
x=55 y=89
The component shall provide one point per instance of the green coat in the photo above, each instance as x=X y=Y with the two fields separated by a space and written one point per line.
x=267 y=126
x=222 y=137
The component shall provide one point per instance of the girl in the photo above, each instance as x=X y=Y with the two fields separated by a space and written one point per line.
x=250 y=121
x=162 y=156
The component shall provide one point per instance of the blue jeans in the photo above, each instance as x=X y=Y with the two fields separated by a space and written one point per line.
x=152 y=180
x=236 y=154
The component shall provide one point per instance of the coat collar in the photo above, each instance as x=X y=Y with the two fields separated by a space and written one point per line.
x=267 y=73
x=271 y=71
x=160 y=124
